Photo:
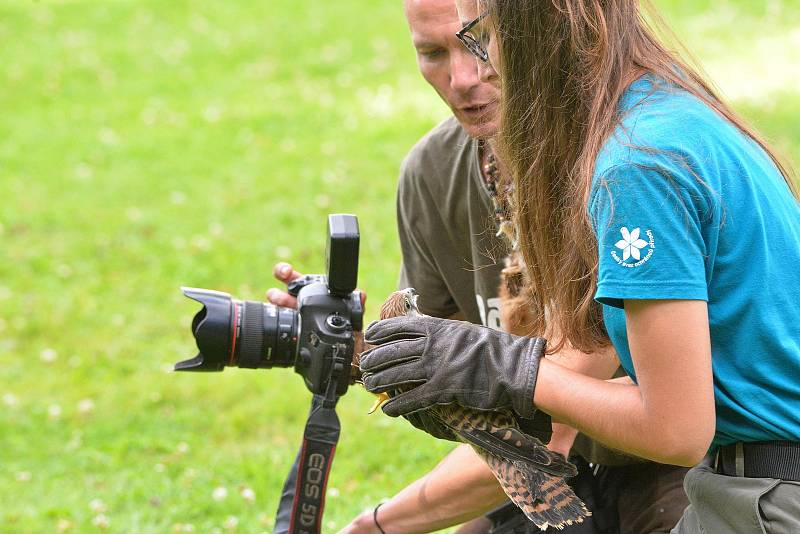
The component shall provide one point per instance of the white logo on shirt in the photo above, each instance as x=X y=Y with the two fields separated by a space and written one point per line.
x=631 y=246
x=492 y=318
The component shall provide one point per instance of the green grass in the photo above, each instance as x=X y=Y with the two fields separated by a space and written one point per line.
x=148 y=145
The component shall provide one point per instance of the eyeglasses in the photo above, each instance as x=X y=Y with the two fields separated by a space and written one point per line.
x=469 y=40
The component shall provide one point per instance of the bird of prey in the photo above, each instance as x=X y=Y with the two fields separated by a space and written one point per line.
x=530 y=474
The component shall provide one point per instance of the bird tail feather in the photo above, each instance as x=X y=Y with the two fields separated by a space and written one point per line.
x=546 y=500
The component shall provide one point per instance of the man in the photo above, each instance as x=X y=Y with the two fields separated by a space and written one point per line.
x=453 y=258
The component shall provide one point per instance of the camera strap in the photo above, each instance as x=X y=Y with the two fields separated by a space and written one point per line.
x=313 y=467
x=313 y=463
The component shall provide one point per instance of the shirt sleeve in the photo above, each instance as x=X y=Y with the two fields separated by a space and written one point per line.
x=416 y=220
x=648 y=220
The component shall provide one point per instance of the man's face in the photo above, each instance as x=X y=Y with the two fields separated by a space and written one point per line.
x=484 y=32
x=450 y=68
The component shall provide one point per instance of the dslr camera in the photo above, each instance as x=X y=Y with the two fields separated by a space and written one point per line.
x=316 y=338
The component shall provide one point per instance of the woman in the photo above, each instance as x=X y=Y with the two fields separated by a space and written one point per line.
x=653 y=219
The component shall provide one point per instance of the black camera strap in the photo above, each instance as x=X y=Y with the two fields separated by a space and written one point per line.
x=316 y=457
x=303 y=498
x=309 y=474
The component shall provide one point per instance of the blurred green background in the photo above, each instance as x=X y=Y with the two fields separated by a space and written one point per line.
x=146 y=145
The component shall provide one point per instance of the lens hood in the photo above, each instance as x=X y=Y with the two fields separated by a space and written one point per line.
x=211 y=327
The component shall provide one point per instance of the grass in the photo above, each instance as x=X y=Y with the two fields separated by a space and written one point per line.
x=148 y=145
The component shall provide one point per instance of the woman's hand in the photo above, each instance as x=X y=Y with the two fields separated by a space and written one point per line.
x=433 y=361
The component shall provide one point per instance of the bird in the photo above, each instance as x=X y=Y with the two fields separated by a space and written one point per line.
x=531 y=475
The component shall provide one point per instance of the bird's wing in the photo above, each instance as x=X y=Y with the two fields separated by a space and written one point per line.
x=546 y=500
x=497 y=432
x=530 y=474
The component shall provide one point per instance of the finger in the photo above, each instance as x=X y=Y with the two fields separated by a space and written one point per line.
x=418 y=399
x=399 y=336
x=363 y=297
x=379 y=358
x=285 y=272
x=403 y=376
x=281 y=298
x=390 y=330
x=395 y=328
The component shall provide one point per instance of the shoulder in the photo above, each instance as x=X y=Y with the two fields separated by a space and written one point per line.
x=666 y=137
x=437 y=154
x=661 y=125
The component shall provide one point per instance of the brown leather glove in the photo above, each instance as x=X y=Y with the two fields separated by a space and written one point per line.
x=425 y=361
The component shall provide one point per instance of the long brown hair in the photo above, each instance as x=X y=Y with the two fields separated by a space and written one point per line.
x=564 y=64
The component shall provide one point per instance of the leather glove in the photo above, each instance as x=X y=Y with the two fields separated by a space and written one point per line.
x=432 y=361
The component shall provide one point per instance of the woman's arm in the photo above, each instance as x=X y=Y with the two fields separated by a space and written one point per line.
x=600 y=364
x=669 y=417
x=460 y=488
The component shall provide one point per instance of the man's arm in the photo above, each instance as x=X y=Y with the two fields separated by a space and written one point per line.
x=461 y=487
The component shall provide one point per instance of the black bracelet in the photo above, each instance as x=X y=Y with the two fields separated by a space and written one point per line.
x=375 y=517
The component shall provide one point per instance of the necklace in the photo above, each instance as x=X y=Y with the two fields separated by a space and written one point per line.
x=502 y=192
x=501 y=201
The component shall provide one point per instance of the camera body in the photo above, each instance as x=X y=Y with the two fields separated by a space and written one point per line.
x=316 y=339
x=326 y=341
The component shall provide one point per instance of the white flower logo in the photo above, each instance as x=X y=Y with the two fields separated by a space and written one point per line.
x=630 y=244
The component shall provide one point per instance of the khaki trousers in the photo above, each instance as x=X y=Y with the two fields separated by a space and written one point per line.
x=722 y=504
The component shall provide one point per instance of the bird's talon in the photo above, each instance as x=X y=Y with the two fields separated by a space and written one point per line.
x=381 y=399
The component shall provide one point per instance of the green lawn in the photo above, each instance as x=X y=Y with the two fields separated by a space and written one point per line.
x=148 y=145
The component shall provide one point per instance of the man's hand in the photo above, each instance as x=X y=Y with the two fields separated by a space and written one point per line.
x=285 y=273
x=563 y=438
x=362 y=524
x=459 y=489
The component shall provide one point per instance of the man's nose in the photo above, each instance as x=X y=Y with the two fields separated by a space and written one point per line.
x=463 y=71
x=486 y=72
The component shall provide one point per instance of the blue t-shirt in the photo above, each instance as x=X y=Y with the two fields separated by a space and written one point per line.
x=700 y=212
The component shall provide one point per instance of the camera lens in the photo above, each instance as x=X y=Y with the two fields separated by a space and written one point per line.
x=268 y=335
x=232 y=332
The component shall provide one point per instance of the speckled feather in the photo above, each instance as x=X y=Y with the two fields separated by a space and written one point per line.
x=530 y=474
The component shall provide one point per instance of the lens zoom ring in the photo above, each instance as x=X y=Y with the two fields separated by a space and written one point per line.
x=252 y=347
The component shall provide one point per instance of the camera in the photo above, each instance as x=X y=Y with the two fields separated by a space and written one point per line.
x=316 y=338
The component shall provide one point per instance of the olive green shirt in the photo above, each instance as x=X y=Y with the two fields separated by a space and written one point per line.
x=451 y=255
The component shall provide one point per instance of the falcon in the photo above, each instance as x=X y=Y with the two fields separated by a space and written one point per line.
x=531 y=475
